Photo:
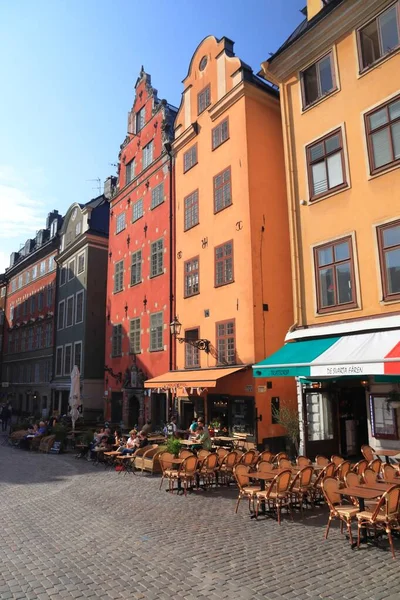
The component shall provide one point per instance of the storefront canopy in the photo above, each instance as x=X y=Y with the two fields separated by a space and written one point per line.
x=204 y=378
x=376 y=353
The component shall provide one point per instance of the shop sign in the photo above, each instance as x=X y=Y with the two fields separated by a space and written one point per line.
x=349 y=369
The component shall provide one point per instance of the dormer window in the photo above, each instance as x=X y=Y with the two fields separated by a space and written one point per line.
x=203 y=99
x=53 y=228
x=129 y=171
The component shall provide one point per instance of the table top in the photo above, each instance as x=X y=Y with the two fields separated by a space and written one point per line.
x=265 y=476
x=360 y=492
x=224 y=438
x=379 y=485
x=383 y=452
x=189 y=443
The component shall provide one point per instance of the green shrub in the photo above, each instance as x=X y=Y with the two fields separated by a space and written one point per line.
x=173 y=446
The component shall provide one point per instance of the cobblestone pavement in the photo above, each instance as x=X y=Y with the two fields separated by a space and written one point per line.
x=72 y=530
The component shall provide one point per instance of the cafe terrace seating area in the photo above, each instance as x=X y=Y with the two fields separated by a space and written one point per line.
x=363 y=497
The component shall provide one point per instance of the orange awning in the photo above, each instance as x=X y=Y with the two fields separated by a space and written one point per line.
x=191 y=378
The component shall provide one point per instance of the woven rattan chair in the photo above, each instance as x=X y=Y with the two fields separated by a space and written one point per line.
x=208 y=470
x=369 y=476
x=367 y=452
x=226 y=467
x=352 y=479
x=265 y=467
x=327 y=471
x=185 y=453
x=360 y=467
x=221 y=453
x=344 y=512
x=303 y=461
x=239 y=453
x=385 y=517
x=246 y=490
x=187 y=472
x=321 y=461
x=277 y=495
x=301 y=487
x=390 y=474
x=266 y=456
x=202 y=454
x=375 y=465
x=337 y=460
x=342 y=470
x=278 y=457
x=284 y=463
x=247 y=458
x=166 y=462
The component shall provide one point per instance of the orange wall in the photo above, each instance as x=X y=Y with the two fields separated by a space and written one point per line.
x=369 y=200
x=254 y=151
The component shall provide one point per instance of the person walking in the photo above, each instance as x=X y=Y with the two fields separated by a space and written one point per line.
x=5 y=417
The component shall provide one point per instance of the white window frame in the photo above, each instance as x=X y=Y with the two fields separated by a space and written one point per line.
x=81 y=255
x=65 y=354
x=118 y=220
x=60 y=373
x=66 y=311
x=148 y=153
x=73 y=359
x=65 y=270
x=81 y=292
x=71 y=262
x=58 y=316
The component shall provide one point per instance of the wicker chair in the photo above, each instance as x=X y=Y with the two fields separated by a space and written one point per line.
x=390 y=473
x=375 y=465
x=344 y=512
x=209 y=469
x=284 y=463
x=301 y=487
x=188 y=471
x=386 y=515
x=149 y=460
x=303 y=461
x=226 y=467
x=46 y=443
x=241 y=473
x=360 y=467
x=352 y=479
x=321 y=461
x=266 y=456
x=221 y=453
x=247 y=458
x=166 y=462
x=369 y=476
x=367 y=452
x=185 y=453
x=342 y=470
x=265 y=467
x=327 y=471
x=278 y=457
x=277 y=495
x=337 y=460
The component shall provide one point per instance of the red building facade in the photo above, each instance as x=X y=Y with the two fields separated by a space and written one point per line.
x=140 y=274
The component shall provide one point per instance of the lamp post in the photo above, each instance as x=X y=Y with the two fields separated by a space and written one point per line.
x=200 y=344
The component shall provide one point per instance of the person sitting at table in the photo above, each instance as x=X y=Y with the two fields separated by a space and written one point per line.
x=193 y=427
x=122 y=443
x=141 y=440
x=131 y=443
x=203 y=437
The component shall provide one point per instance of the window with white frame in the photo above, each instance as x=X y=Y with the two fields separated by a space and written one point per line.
x=71 y=269
x=147 y=155
x=129 y=171
x=63 y=276
x=20 y=281
x=43 y=267
x=120 y=223
x=79 y=307
x=134 y=336
x=67 y=359
x=157 y=258
x=81 y=263
x=157 y=195
x=59 y=360
x=119 y=276
x=78 y=355
x=61 y=315
x=70 y=312
x=27 y=277
x=156 y=332
x=137 y=210
x=34 y=272
x=136 y=267
x=78 y=228
x=51 y=264
x=140 y=119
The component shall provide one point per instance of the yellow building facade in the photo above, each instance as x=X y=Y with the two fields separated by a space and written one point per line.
x=340 y=98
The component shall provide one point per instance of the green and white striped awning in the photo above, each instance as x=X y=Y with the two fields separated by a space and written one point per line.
x=376 y=353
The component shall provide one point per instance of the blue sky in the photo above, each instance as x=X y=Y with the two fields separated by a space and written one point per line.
x=68 y=69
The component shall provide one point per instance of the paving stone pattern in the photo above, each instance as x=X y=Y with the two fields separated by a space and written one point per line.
x=72 y=530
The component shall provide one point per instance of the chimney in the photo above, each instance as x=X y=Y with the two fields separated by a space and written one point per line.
x=314 y=6
x=50 y=218
x=110 y=186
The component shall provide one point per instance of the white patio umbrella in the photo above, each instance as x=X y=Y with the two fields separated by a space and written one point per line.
x=75 y=395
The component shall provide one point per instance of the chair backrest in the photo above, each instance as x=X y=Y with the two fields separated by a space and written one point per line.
x=306 y=474
x=203 y=453
x=166 y=459
x=185 y=453
x=230 y=460
x=281 y=482
x=321 y=461
x=337 y=460
x=279 y=456
x=303 y=461
x=241 y=475
x=265 y=456
x=360 y=466
x=211 y=462
x=284 y=463
x=342 y=470
x=389 y=473
x=390 y=502
x=189 y=465
x=265 y=467
x=329 y=470
x=239 y=453
x=221 y=453
x=375 y=465
x=367 y=452
x=369 y=476
x=330 y=488
x=351 y=479
x=247 y=458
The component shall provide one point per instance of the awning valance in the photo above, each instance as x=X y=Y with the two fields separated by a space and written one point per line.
x=204 y=378
x=376 y=353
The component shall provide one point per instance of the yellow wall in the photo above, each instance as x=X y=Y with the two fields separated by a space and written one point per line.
x=254 y=152
x=369 y=200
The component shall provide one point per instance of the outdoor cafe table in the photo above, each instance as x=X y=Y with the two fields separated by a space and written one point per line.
x=361 y=493
x=387 y=453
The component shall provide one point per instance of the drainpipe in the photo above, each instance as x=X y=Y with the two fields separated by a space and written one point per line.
x=172 y=356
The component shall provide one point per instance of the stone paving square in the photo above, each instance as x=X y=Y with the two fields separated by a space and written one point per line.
x=72 y=530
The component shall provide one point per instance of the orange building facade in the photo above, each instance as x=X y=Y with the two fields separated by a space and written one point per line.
x=233 y=283
x=340 y=100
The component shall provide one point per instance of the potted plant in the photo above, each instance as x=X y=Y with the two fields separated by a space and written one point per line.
x=288 y=417
x=173 y=446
